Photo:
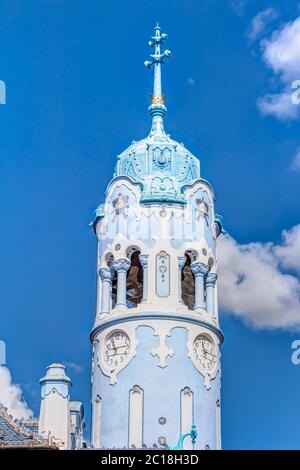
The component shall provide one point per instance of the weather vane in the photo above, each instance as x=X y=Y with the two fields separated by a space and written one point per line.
x=157 y=59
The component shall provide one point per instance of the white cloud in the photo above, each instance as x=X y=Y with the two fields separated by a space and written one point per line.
x=279 y=105
x=254 y=284
x=75 y=367
x=281 y=53
x=260 y=22
x=289 y=251
x=11 y=396
x=296 y=160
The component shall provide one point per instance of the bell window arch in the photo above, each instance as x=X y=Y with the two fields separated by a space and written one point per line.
x=134 y=282
x=188 y=281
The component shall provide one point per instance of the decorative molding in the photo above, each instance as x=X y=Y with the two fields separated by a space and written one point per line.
x=188 y=317
x=111 y=371
x=199 y=269
x=121 y=265
x=162 y=351
x=207 y=374
x=187 y=391
x=181 y=261
x=163 y=274
x=211 y=279
x=95 y=344
x=202 y=209
x=186 y=414
x=136 y=417
x=144 y=260
x=105 y=274
x=55 y=390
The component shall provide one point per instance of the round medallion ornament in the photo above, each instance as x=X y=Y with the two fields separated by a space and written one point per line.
x=162 y=420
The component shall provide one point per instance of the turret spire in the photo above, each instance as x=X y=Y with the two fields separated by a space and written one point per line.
x=157 y=108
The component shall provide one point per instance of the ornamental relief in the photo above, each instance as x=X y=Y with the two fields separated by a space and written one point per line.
x=134 y=165
x=199 y=203
x=161 y=186
x=202 y=210
x=162 y=278
x=118 y=347
x=120 y=206
x=204 y=352
x=122 y=200
x=121 y=247
x=162 y=351
x=162 y=159
x=188 y=170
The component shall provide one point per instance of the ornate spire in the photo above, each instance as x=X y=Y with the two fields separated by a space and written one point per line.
x=157 y=108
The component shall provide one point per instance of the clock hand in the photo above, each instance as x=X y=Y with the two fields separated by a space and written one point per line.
x=114 y=344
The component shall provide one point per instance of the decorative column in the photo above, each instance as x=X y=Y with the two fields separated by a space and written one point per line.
x=144 y=263
x=210 y=293
x=199 y=270
x=181 y=263
x=106 y=275
x=121 y=266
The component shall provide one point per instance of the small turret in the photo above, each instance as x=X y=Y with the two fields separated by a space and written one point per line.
x=55 y=398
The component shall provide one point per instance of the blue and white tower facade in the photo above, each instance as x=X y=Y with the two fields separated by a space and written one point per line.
x=156 y=337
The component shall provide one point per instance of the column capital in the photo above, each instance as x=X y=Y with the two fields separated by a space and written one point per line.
x=211 y=279
x=121 y=265
x=144 y=260
x=181 y=261
x=199 y=269
x=105 y=273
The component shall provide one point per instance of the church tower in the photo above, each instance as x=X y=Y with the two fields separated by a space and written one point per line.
x=156 y=337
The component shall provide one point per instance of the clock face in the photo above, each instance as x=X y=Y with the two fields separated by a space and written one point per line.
x=205 y=353
x=116 y=349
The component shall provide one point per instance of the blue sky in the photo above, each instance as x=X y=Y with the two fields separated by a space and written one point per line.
x=77 y=94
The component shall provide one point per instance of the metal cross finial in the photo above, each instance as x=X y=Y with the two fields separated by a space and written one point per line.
x=157 y=59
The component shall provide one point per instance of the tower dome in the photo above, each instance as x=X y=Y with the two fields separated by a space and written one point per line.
x=161 y=165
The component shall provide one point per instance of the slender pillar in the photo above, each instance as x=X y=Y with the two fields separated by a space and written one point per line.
x=144 y=263
x=181 y=263
x=210 y=293
x=121 y=266
x=218 y=426
x=199 y=270
x=97 y=423
x=187 y=414
x=136 y=404
x=106 y=278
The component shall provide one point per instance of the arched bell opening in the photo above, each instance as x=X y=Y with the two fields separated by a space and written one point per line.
x=109 y=259
x=188 y=282
x=114 y=289
x=134 y=284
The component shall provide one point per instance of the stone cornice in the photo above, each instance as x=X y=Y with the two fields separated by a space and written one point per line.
x=112 y=319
